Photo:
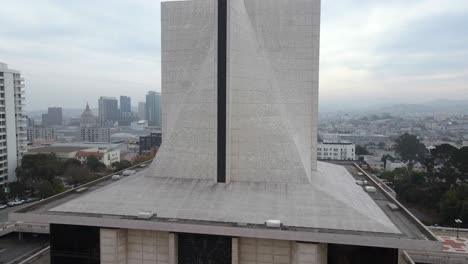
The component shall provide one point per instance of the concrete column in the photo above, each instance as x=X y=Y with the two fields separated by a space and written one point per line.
x=113 y=246
x=20 y=236
x=235 y=250
x=309 y=253
x=173 y=253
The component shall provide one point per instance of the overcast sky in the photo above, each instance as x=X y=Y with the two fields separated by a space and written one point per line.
x=71 y=52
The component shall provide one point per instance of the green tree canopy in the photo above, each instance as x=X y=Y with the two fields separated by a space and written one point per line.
x=72 y=163
x=360 y=150
x=78 y=175
x=37 y=168
x=455 y=205
x=93 y=163
x=122 y=165
x=409 y=148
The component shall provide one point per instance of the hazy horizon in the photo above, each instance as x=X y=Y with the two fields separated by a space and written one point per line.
x=71 y=53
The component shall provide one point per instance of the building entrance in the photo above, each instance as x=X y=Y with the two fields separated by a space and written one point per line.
x=204 y=249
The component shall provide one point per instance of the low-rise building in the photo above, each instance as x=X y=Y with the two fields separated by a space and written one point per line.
x=62 y=152
x=41 y=134
x=147 y=143
x=95 y=134
x=336 y=150
x=104 y=155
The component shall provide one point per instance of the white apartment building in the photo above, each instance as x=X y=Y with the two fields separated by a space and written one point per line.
x=333 y=150
x=41 y=134
x=104 y=155
x=13 y=138
x=95 y=134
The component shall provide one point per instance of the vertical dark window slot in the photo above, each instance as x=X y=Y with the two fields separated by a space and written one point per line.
x=222 y=68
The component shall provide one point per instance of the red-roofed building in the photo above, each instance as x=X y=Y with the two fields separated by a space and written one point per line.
x=104 y=155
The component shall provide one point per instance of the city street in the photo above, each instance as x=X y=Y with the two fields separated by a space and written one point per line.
x=12 y=249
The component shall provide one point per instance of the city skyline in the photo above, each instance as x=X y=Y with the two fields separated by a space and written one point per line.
x=365 y=50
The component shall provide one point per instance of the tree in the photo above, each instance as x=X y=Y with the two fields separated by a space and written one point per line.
x=94 y=164
x=360 y=150
x=17 y=189
x=78 y=175
x=122 y=165
x=38 y=167
x=385 y=158
x=455 y=205
x=45 y=189
x=72 y=163
x=409 y=148
x=3 y=196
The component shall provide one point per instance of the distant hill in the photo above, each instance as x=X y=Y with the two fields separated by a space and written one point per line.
x=441 y=106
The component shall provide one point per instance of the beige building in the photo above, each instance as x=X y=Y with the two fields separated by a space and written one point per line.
x=41 y=135
x=90 y=131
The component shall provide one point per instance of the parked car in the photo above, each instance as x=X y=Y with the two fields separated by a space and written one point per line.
x=31 y=199
x=15 y=203
x=128 y=172
x=3 y=206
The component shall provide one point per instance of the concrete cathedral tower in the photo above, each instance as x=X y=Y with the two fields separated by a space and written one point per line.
x=240 y=90
x=235 y=180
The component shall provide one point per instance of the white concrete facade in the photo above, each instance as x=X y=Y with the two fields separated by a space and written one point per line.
x=272 y=90
x=129 y=246
x=95 y=134
x=104 y=155
x=336 y=151
x=13 y=134
x=41 y=134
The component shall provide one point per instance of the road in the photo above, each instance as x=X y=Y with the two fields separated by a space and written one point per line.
x=11 y=248
x=4 y=212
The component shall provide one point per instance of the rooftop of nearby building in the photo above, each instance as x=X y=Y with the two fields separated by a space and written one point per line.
x=332 y=204
x=55 y=149
x=97 y=154
x=336 y=142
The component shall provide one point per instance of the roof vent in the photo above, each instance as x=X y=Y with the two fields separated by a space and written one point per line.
x=145 y=215
x=273 y=223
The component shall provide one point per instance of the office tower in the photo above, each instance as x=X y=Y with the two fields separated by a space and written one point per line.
x=125 y=105
x=13 y=134
x=236 y=178
x=54 y=116
x=142 y=110
x=108 y=110
x=44 y=120
x=153 y=108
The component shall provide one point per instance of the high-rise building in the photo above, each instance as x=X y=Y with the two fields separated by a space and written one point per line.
x=153 y=108
x=54 y=116
x=126 y=114
x=236 y=179
x=108 y=110
x=142 y=110
x=13 y=134
x=125 y=104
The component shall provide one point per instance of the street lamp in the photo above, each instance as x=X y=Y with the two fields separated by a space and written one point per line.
x=459 y=222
